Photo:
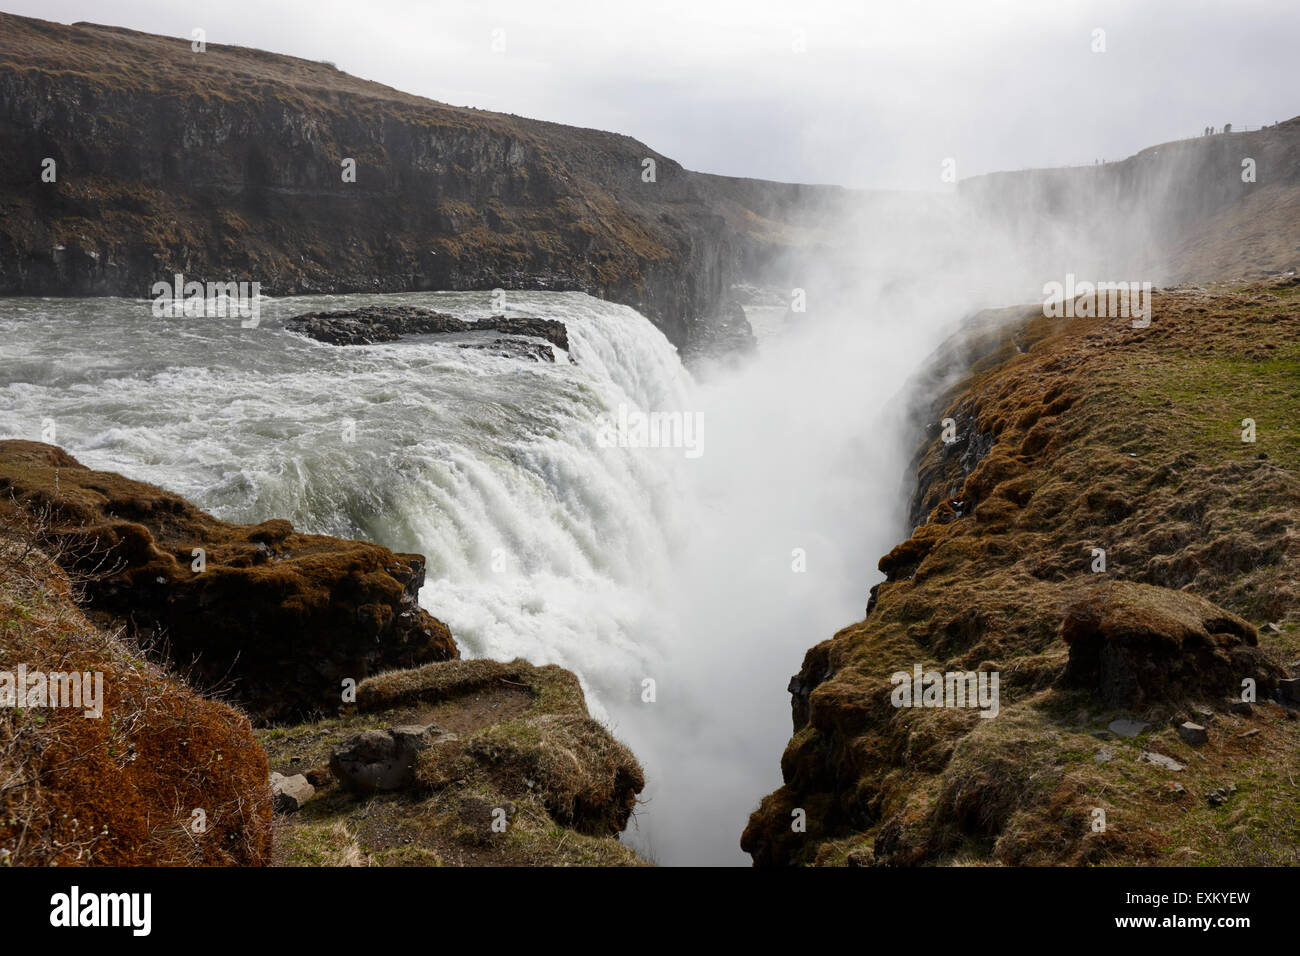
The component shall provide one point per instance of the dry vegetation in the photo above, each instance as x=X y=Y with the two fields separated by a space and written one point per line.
x=121 y=788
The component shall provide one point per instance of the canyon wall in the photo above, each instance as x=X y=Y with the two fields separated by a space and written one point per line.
x=229 y=165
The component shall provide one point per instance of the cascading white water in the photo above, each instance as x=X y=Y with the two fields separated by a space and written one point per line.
x=708 y=575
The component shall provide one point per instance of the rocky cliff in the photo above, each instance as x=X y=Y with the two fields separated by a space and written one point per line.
x=385 y=748
x=229 y=165
x=275 y=618
x=1105 y=523
x=1218 y=207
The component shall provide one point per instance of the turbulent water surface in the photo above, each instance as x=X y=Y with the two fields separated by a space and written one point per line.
x=707 y=575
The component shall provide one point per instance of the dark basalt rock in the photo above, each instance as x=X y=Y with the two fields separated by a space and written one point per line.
x=373 y=324
x=376 y=761
x=517 y=348
x=368 y=326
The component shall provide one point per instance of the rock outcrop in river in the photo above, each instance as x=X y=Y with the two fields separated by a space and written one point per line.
x=367 y=326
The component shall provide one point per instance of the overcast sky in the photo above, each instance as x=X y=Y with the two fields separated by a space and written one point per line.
x=862 y=94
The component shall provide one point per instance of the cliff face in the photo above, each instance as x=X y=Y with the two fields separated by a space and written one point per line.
x=1098 y=536
x=276 y=618
x=1217 y=207
x=226 y=165
x=498 y=763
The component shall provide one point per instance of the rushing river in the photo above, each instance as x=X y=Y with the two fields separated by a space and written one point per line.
x=708 y=574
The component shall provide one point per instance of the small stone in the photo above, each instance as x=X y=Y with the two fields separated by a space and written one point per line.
x=1289 y=687
x=1127 y=727
x=288 y=794
x=1160 y=760
x=1104 y=755
x=1220 y=795
x=1248 y=733
x=1193 y=734
x=1242 y=707
x=1203 y=715
x=1272 y=628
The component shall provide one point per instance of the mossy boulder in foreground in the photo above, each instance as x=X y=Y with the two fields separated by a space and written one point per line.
x=1137 y=644
x=275 y=617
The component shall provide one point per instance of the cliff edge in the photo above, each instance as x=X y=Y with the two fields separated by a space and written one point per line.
x=1109 y=530
x=370 y=741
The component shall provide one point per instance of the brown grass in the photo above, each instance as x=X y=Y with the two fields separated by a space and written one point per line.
x=120 y=789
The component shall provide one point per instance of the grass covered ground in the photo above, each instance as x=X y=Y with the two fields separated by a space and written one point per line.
x=515 y=738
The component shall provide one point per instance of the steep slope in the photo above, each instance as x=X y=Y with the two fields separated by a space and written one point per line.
x=1073 y=436
x=144 y=771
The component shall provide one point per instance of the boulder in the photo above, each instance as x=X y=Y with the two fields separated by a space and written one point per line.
x=1127 y=727
x=1160 y=760
x=380 y=760
x=1193 y=734
x=290 y=793
x=1137 y=644
x=1290 y=689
